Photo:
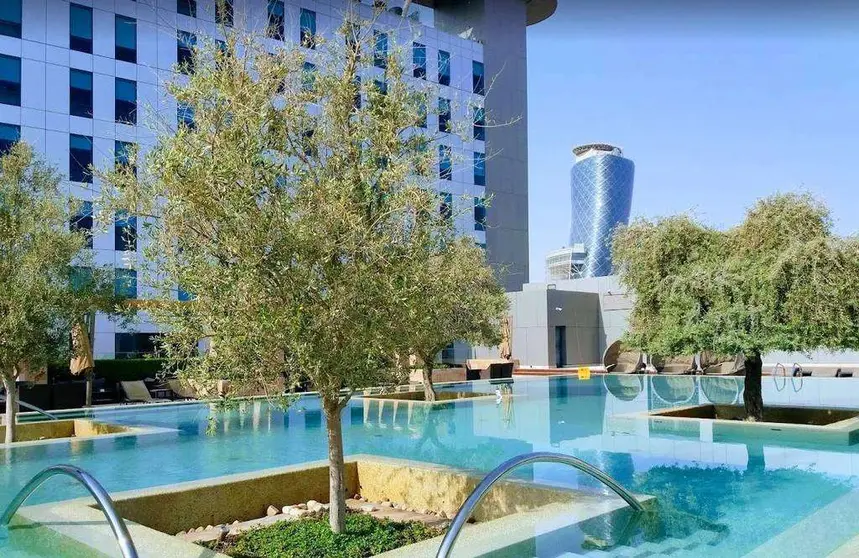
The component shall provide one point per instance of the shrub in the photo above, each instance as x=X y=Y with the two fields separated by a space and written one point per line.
x=312 y=538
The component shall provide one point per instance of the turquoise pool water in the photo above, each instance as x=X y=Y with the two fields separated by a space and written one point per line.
x=750 y=491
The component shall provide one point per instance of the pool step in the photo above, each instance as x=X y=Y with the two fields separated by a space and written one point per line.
x=696 y=544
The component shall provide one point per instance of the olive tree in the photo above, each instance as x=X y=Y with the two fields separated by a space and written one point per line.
x=46 y=279
x=458 y=298
x=780 y=281
x=286 y=205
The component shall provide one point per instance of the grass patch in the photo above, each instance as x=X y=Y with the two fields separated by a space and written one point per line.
x=312 y=538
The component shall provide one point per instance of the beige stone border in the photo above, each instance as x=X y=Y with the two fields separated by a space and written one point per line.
x=153 y=515
x=71 y=431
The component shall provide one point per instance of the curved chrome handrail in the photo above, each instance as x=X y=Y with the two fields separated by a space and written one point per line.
x=496 y=474
x=117 y=525
x=32 y=408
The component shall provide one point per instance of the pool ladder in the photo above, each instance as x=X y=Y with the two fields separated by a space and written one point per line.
x=31 y=407
x=117 y=525
x=496 y=474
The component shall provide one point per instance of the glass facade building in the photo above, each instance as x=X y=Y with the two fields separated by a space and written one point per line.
x=84 y=83
x=601 y=194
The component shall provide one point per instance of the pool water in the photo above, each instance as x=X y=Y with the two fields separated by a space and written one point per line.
x=798 y=498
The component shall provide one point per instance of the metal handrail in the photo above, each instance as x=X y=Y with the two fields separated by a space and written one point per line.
x=32 y=408
x=117 y=525
x=496 y=474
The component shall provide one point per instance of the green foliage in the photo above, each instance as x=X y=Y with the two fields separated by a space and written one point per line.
x=291 y=212
x=779 y=281
x=311 y=538
x=36 y=253
x=293 y=244
x=47 y=282
x=457 y=298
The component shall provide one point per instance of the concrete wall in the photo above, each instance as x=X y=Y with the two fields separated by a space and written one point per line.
x=576 y=311
x=500 y=26
x=595 y=312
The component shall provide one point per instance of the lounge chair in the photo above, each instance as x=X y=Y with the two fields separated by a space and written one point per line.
x=475 y=367
x=712 y=365
x=674 y=366
x=618 y=361
x=182 y=389
x=138 y=392
x=821 y=371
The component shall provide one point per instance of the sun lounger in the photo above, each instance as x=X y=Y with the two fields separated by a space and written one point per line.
x=138 y=392
x=182 y=389
x=618 y=361
x=716 y=366
x=674 y=366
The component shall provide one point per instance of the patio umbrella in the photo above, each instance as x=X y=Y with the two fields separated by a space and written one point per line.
x=506 y=346
x=82 y=360
x=33 y=376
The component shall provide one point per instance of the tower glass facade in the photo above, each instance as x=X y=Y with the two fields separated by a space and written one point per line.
x=76 y=76
x=601 y=194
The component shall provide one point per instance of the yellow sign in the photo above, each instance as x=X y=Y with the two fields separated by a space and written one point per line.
x=584 y=373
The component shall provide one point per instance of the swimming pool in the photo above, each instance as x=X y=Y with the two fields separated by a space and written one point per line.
x=798 y=498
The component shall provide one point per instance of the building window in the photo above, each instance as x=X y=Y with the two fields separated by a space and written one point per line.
x=126 y=39
x=80 y=93
x=422 y=115
x=443 y=68
x=479 y=123
x=10 y=18
x=381 y=86
x=479 y=169
x=479 y=214
x=182 y=295
x=80 y=158
x=185 y=43
x=187 y=7
x=122 y=155
x=307 y=22
x=125 y=105
x=9 y=136
x=419 y=60
x=478 y=81
x=356 y=102
x=445 y=208
x=448 y=353
x=275 y=29
x=125 y=283
x=443 y=115
x=80 y=28
x=125 y=232
x=224 y=12
x=380 y=50
x=10 y=80
x=81 y=221
x=185 y=116
x=135 y=345
x=445 y=163
x=308 y=78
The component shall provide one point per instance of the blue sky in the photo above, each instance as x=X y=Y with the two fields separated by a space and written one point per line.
x=715 y=116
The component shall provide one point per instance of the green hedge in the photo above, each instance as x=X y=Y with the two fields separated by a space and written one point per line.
x=117 y=370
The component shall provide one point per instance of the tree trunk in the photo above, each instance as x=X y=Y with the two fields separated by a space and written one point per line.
x=336 y=488
x=429 y=389
x=11 y=406
x=752 y=397
x=88 y=391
